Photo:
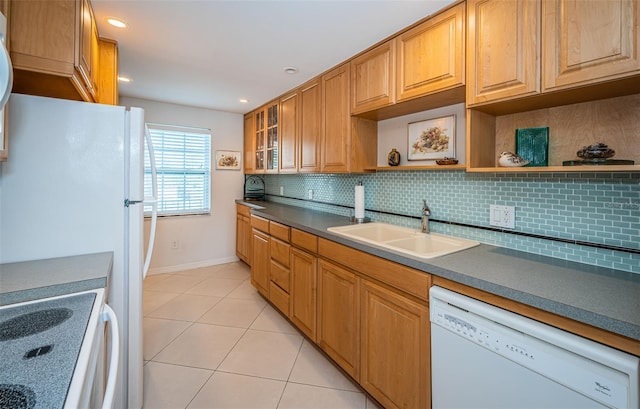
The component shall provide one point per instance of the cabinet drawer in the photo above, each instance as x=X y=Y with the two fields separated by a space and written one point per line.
x=279 y=230
x=280 y=251
x=280 y=275
x=260 y=223
x=304 y=240
x=279 y=298
x=243 y=210
x=411 y=281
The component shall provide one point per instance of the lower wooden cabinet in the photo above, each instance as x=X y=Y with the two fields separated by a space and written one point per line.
x=243 y=234
x=260 y=262
x=395 y=354
x=339 y=316
x=303 y=291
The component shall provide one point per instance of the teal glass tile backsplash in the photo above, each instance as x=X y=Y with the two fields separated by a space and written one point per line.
x=599 y=208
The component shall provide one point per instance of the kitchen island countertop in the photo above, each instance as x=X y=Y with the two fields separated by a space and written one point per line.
x=33 y=280
x=602 y=297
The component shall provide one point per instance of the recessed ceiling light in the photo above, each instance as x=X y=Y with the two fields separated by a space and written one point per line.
x=291 y=70
x=116 y=23
x=244 y=101
x=124 y=79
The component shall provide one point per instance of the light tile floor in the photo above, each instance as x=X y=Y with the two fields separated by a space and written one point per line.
x=210 y=341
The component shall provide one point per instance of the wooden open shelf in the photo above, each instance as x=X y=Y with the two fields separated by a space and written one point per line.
x=613 y=121
x=426 y=167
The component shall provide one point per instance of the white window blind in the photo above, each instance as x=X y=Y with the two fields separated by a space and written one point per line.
x=183 y=162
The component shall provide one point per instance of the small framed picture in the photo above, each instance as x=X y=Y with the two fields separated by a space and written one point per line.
x=432 y=139
x=228 y=160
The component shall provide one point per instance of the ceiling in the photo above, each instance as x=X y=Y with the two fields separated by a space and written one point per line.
x=212 y=53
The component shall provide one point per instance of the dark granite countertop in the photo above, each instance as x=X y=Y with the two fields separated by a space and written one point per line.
x=33 y=280
x=604 y=298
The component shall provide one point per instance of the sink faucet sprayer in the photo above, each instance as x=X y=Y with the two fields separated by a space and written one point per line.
x=426 y=212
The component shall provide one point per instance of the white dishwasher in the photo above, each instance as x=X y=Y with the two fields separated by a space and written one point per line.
x=486 y=357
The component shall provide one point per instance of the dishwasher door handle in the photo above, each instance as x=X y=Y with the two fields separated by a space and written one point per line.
x=109 y=315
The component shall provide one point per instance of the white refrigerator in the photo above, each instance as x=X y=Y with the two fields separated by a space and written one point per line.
x=73 y=184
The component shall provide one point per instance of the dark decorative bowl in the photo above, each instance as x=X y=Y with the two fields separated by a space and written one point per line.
x=447 y=161
x=598 y=151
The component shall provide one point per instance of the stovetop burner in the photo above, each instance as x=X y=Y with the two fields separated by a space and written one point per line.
x=39 y=346
x=33 y=323
x=16 y=396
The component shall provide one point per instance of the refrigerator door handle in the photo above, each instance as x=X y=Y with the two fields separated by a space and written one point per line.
x=153 y=201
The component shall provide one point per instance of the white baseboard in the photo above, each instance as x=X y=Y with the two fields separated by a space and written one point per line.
x=190 y=266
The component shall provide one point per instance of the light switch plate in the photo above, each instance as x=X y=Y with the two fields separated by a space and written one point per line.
x=502 y=216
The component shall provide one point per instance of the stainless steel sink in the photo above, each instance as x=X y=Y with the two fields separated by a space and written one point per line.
x=404 y=240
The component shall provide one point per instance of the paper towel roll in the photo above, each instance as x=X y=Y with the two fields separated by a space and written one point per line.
x=359 y=211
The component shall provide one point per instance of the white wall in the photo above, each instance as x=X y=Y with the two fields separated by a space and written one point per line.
x=203 y=240
x=393 y=133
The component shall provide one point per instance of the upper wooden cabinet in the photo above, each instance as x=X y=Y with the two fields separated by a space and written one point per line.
x=547 y=46
x=587 y=41
x=349 y=144
x=288 y=125
x=249 y=148
x=265 y=138
x=108 y=72
x=403 y=74
x=55 y=49
x=310 y=107
x=503 y=54
x=430 y=56
x=373 y=78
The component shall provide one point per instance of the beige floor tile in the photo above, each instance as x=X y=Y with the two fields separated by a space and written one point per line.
x=234 y=312
x=155 y=278
x=298 y=396
x=272 y=320
x=185 y=307
x=171 y=386
x=265 y=354
x=152 y=300
x=158 y=333
x=205 y=272
x=174 y=284
x=312 y=368
x=214 y=287
x=245 y=291
x=225 y=390
x=237 y=271
x=201 y=346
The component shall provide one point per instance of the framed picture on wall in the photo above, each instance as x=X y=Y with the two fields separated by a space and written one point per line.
x=432 y=139
x=228 y=160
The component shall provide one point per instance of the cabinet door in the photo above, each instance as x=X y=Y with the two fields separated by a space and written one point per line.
x=588 y=41
x=260 y=262
x=243 y=235
x=289 y=133
x=339 y=316
x=249 y=144
x=310 y=126
x=108 y=72
x=303 y=292
x=431 y=56
x=395 y=348
x=272 y=149
x=87 y=59
x=336 y=141
x=503 y=57
x=259 y=135
x=373 y=79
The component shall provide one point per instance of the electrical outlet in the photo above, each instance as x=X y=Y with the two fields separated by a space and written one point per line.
x=281 y=190
x=175 y=244
x=310 y=194
x=502 y=216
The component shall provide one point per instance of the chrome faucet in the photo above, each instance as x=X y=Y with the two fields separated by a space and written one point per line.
x=426 y=212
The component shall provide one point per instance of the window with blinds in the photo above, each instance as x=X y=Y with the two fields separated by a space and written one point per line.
x=183 y=162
